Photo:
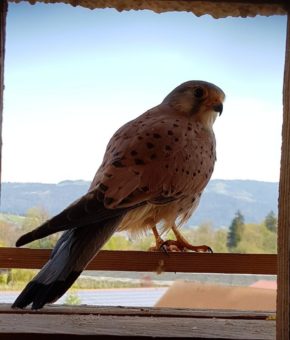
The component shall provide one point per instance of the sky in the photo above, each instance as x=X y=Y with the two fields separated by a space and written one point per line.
x=73 y=76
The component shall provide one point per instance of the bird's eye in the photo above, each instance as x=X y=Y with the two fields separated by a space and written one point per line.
x=198 y=92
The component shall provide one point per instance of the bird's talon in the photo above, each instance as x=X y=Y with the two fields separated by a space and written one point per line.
x=163 y=248
x=172 y=246
x=207 y=250
x=203 y=249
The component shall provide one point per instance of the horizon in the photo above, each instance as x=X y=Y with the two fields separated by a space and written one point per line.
x=84 y=180
x=219 y=203
x=70 y=85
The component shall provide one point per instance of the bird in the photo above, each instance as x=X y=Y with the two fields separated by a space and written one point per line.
x=154 y=170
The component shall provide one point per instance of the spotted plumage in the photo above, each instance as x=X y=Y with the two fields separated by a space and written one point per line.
x=153 y=173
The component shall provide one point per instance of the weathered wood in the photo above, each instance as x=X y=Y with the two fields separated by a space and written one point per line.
x=161 y=326
x=216 y=8
x=144 y=311
x=132 y=3
x=3 y=14
x=167 y=324
x=283 y=308
x=151 y=261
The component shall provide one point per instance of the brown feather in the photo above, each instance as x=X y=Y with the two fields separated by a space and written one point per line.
x=163 y=153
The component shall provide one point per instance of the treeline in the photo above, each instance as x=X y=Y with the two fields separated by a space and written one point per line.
x=253 y=238
x=238 y=237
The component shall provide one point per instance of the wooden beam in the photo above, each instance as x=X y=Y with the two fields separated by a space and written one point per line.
x=3 y=14
x=216 y=8
x=151 y=261
x=5 y=308
x=283 y=308
x=282 y=3
x=152 y=324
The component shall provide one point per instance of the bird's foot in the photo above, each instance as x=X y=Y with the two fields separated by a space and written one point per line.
x=178 y=246
x=166 y=246
x=200 y=249
x=173 y=246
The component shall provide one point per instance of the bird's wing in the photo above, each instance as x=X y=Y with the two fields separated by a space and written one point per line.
x=140 y=165
x=155 y=158
x=145 y=159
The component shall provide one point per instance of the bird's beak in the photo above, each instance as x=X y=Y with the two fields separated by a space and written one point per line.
x=218 y=108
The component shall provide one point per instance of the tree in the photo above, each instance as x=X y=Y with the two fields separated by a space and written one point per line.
x=256 y=238
x=220 y=245
x=271 y=221
x=34 y=218
x=8 y=234
x=206 y=234
x=235 y=231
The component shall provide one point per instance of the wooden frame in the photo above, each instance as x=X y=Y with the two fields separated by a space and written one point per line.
x=283 y=300
x=215 y=8
x=3 y=14
x=265 y=264
x=134 y=323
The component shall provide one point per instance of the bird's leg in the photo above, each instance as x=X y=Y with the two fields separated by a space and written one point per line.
x=183 y=244
x=167 y=246
x=158 y=240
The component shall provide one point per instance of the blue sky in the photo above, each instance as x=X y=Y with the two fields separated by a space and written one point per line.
x=73 y=76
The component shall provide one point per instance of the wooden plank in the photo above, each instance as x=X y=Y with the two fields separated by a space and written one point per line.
x=152 y=261
x=283 y=301
x=143 y=311
x=3 y=14
x=283 y=3
x=132 y=3
x=36 y=326
x=215 y=8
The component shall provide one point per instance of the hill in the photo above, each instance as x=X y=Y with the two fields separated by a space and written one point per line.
x=222 y=198
x=220 y=201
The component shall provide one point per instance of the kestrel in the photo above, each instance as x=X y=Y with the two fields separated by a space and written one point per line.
x=153 y=173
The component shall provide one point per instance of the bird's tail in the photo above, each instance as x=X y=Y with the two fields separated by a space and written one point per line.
x=72 y=253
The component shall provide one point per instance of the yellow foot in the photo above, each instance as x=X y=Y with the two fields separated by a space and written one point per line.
x=166 y=246
x=169 y=246
x=183 y=247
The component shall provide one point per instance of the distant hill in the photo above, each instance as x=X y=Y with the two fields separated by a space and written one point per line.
x=220 y=201
x=222 y=198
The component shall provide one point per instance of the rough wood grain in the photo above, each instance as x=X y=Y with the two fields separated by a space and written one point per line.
x=39 y=326
x=3 y=14
x=283 y=308
x=152 y=261
x=216 y=8
x=143 y=311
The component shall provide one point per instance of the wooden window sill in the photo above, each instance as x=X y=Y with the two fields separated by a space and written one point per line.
x=72 y=322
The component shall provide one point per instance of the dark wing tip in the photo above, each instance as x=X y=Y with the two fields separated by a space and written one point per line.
x=24 y=239
x=26 y=297
x=40 y=294
x=34 y=293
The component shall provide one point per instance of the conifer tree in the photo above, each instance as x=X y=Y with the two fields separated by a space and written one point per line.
x=271 y=221
x=235 y=231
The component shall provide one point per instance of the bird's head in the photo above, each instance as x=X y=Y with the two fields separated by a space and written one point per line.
x=198 y=99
